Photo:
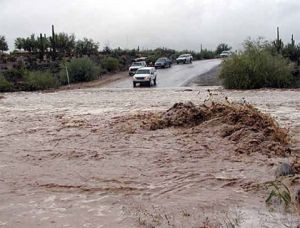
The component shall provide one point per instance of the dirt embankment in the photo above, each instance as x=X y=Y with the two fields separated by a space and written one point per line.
x=102 y=81
x=211 y=78
x=252 y=130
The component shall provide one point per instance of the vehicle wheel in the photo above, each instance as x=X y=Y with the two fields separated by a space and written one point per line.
x=149 y=84
x=177 y=62
x=134 y=85
x=154 y=81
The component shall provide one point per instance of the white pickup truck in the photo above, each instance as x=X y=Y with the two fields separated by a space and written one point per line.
x=135 y=66
x=145 y=75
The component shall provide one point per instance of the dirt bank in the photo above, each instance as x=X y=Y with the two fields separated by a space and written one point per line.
x=78 y=159
x=211 y=78
x=102 y=81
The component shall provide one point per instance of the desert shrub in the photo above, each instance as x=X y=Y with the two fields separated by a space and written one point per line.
x=20 y=79
x=14 y=75
x=207 y=54
x=256 y=68
x=5 y=86
x=110 y=64
x=80 y=70
x=292 y=52
x=38 y=80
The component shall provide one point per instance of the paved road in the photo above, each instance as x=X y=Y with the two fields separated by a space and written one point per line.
x=176 y=76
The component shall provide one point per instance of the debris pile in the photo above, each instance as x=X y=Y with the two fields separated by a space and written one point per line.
x=251 y=130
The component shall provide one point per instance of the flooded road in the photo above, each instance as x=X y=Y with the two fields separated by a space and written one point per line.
x=176 y=76
x=69 y=159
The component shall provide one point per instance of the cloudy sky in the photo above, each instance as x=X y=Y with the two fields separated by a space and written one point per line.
x=183 y=24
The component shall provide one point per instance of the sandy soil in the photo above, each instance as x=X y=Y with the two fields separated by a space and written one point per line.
x=71 y=159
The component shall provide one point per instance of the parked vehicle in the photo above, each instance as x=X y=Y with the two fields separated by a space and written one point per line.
x=163 y=63
x=225 y=54
x=141 y=59
x=135 y=66
x=145 y=75
x=185 y=58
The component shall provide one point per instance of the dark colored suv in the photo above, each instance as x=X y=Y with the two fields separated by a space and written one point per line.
x=163 y=63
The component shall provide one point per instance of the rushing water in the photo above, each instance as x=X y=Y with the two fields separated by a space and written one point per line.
x=68 y=160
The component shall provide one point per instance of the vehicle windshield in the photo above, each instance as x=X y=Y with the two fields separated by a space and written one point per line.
x=183 y=56
x=161 y=60
x=136 y=64
x=143 y=72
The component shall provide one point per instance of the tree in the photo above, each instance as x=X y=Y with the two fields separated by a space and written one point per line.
x=30 y=44
x=3 y=44
x=222 y=47
x=107 y=50
x=86 y=47
x=65 y=44
x=20 y=43
x=291 y=52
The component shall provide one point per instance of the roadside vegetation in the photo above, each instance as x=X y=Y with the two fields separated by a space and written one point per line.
x=262 y=64
x=3 y=44
x=43 y=62
x=79 y=70
x=20 y=79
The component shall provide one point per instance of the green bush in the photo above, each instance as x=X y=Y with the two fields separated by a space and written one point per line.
x=256 y=68
x=14 y=76
x=5 y=86
x=38 y=80
x=80 y=70
x=110 y=64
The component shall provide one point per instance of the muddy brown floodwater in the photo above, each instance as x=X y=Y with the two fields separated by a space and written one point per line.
x=71 y=159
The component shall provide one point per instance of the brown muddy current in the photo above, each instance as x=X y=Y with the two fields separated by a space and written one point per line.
x=71 y=159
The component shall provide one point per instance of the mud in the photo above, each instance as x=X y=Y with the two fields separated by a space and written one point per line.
x=86 y=158
x=250 y=129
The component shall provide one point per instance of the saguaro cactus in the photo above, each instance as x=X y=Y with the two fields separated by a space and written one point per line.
x=53 y=43
x=278 y=42
x=293 y=41
x=42 y=47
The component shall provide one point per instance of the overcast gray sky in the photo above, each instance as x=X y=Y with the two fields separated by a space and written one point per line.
x=178 y=24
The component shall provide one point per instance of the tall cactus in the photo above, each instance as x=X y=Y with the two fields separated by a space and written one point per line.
x=53 y=43
x=293 y=41
x=42 y=47
x=278 y=42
